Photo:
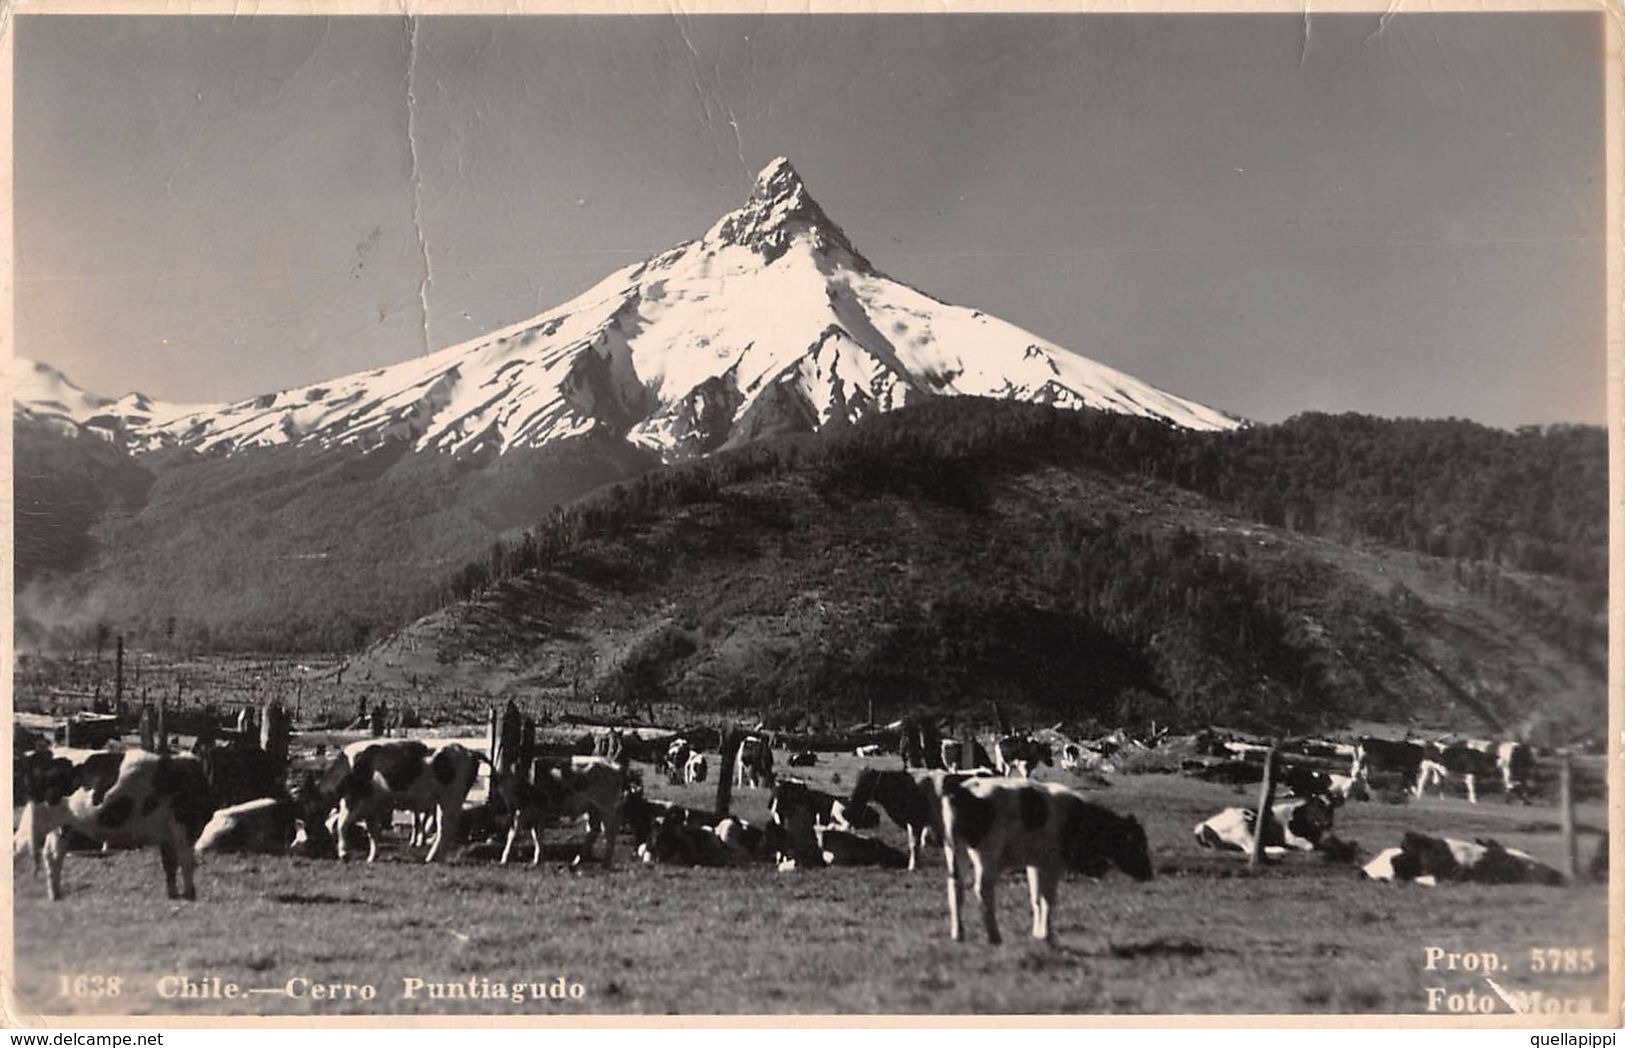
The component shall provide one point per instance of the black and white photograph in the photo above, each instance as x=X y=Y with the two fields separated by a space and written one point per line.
x=716 y=512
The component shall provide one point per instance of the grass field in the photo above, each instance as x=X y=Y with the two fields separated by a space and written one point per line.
x=1207 y=936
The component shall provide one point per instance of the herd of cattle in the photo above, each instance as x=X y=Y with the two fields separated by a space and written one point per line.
x=981 y=805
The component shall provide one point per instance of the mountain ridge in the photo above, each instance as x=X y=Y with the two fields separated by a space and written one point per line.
x=771 y=321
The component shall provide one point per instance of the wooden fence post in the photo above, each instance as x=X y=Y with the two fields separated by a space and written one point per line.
x=731 y=740
x=163 y=730
x=118 y=678
x=274 y=732
x=1266 y=799
x=1565 y=793
x=144 y=727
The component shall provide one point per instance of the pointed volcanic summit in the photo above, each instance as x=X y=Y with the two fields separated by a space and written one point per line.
x=769 y=322
x=779 y=210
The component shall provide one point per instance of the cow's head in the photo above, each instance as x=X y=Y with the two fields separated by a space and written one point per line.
x=1094 y=839
x=1312 y=819
x=46 y=779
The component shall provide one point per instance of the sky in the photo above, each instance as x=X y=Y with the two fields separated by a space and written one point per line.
x=1401 y=219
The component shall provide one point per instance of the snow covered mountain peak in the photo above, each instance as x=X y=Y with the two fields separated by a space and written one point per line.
x=779 y=209
x=770 y=322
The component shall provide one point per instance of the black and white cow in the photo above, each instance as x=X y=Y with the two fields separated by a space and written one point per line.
x=1401 y=758
x=964 y=754
x=745 y=843
x=1428 y=860
x=124 y=798
x=564 y=788
x=674 y=762
x=1469 y=761
x=695 y=769
x=912 y=802
x=993 y=824
x=754 y=766
x=845 y=848
x=375 y=778
x=1020 y=755
x=1474 y=761
x=1300 y=824
x=798 y=810
x=641 y=814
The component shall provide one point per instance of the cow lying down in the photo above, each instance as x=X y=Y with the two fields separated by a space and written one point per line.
x=1429 y=860
x=265 y=826
x=1298 y=825
x=126 y=799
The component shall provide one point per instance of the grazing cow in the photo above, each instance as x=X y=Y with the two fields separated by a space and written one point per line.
x=126 y=799
x=694 y=769
x=1469 y=760
x=996 y=824
x=808 y=759
x=1387 y=755
x=754 y=766
x=842 y=848
x=264 y=826
x=1516 y=763
x=675 y=761
x=1296 y=824
x=915 y=804
x=958 y=755
x=1429 y=860
x=1019 y=755
x=373 y=779
x=564 y=788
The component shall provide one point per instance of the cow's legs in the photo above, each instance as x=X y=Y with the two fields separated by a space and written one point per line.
x=536 y=845
x=612 y=829
x=594 y=828
x=56 y=852
x=1042 y=881
x=513 y=833
x=445 y=838
x=1037 y=902
x=1472 y=788
x=187 y=859
x=985 y=881
x=913 y=845
x=341 y=831
x=28 y=837
x=166 y=853
x=956 y=926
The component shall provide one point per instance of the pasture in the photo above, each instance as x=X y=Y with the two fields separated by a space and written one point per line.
x=1207 y=936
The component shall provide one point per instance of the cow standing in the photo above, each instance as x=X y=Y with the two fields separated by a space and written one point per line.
x=127 y=799
x=593 y=787
x=374 y=779
x=993 y=824
x=1020 y=755
x=754 y=766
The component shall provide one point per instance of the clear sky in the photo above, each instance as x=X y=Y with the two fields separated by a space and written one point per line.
x=1402 y=222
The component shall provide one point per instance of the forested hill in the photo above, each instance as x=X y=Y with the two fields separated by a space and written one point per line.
x=1072 y=564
